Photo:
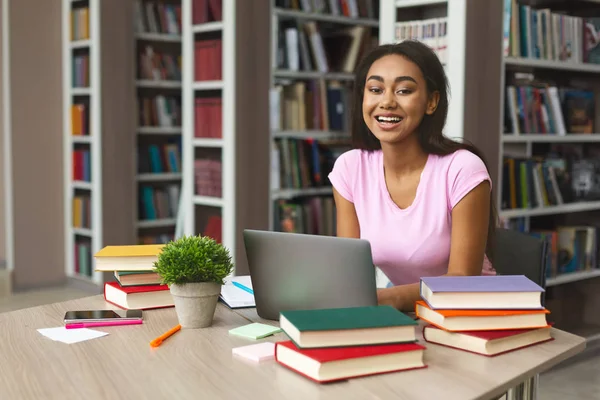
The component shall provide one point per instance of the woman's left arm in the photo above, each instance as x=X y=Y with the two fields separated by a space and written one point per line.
x=470 y=221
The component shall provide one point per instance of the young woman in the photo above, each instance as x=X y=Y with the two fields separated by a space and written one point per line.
x=423 y=201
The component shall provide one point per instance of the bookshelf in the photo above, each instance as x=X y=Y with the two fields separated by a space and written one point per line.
x=97 y=159
x=225 y=115
x=315 y=50
x=548 y=141
x=158 y=78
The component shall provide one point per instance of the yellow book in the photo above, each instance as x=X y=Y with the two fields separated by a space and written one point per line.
x=128 y=258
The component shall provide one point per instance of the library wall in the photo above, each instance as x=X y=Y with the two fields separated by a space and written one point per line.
x=118 y=108
x=252 y=129
x=483 y=79
x=36 y=87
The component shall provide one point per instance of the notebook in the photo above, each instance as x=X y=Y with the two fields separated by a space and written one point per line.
x=235 y=297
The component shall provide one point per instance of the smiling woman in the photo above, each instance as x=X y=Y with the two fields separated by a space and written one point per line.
x=423 y=201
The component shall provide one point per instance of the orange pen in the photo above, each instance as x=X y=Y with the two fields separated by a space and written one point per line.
x=158 y=341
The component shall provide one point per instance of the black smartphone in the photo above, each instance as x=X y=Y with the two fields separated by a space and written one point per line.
x=101 y=315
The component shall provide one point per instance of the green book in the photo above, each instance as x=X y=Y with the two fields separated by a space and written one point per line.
x=124 y=273
x=352 y=326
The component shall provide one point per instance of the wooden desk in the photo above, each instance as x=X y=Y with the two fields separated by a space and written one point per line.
x=195 y=364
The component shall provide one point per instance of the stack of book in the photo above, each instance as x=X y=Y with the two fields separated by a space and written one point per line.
x=136 y=285
x=488 y=315
x=340 y=343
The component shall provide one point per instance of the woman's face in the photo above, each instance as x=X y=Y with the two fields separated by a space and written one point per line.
x=395 y=98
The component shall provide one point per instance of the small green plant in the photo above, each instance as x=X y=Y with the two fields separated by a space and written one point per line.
x=192 y=259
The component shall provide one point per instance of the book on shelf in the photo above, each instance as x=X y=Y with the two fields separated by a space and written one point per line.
x=304 y=163
x=544 y=34
x=310 y=46
x=161 y=238
x=311 y=105
x=541 y=107
x=208 y=177
x=558 y=175
x=159 y=158
x=204 y=11
x=80 y=23
x=80 y=117
x=344 y=8
x=159 y=65
x=159 y=110
x=208 y=60
x=208 y=120
x=573 y=248
x=306 y=214
x=82 y=211
x=81 y=70
x=82 y=257
x=430 y=31
x=157 y=17
x=159 y=202
x=82 y=171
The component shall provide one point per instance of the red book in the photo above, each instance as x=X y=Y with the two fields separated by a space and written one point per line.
x=142 y=297
x=487 y=343
x=332 y=362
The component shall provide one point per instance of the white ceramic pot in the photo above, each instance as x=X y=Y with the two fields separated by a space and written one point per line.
x=195 y=303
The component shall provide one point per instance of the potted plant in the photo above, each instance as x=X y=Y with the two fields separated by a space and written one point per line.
x=194 y=267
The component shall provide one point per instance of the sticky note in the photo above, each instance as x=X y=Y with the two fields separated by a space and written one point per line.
x=255 y=330
x=256 y=352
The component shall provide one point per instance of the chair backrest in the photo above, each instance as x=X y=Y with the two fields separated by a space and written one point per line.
x=517 y=253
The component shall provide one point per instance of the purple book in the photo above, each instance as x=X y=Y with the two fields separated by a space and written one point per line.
x=481 y=292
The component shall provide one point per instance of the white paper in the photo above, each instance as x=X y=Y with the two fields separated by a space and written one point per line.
x=70 y=336
x=236 y=297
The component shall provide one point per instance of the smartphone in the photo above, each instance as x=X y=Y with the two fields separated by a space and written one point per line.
x=101 y=315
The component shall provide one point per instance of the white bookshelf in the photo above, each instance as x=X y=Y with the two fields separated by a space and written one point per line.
x=93 y=142
x=151 y=33
x=285 y=77
x=193 y=206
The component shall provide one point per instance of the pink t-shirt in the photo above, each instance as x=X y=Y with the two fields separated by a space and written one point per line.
x=409 y=243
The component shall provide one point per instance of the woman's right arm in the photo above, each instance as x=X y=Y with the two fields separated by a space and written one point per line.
x=347 y=221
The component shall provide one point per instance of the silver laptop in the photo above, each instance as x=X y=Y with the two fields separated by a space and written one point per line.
x=292 y=271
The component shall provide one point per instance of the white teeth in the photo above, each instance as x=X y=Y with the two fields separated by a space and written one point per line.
x=388 y=119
